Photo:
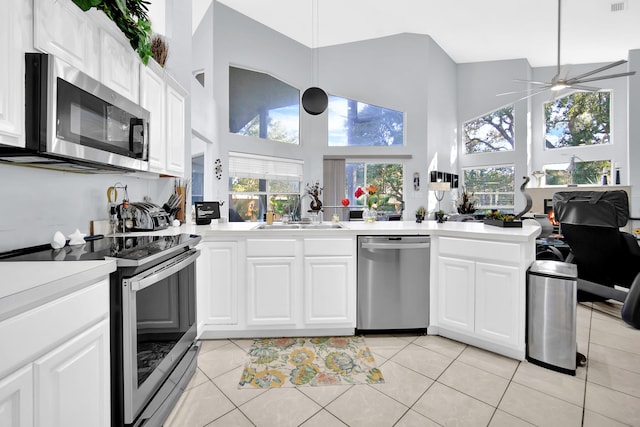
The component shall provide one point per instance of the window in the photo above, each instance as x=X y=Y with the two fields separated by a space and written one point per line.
x=257 y=182
x=582 y=118
x=493 y=187
x=386 y=177
x=490 y=133
x=251 y=197
x=353 y=123
x=585 y=173
x=263 y=107
x=197 y=178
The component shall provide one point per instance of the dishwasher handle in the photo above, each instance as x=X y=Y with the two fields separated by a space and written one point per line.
x=425 y=245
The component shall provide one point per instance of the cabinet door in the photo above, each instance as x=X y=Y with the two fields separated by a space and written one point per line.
x=16 y=399
x=120 y=69
x=329 y=291
x=498 y=303
x=456 y=293
x=15 y=26
x=218 y=286
x=175 y=130
x=73 y=381
x=61 y=28
x=271 y=293
x=152 y=98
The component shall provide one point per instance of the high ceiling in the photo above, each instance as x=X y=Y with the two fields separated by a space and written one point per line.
x=468 y=30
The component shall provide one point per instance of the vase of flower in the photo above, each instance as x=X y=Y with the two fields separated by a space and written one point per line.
x=370 y=202
x=369 y=215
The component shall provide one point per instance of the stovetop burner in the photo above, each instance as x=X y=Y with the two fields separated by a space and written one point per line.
x=127 y=250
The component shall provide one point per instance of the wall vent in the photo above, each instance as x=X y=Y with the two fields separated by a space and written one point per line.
x=618 y=6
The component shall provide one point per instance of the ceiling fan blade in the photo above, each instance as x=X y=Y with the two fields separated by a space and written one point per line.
x=599 y=70
x=533 y=94
x=587 y=88
x=522 y=91
x=575 y=80
x=531 y=81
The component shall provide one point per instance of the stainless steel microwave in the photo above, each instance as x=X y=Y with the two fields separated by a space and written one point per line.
x=71 y=117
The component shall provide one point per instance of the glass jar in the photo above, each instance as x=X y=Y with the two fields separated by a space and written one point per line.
x=369 y=215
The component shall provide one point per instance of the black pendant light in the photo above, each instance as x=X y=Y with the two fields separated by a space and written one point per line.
x=314 y=99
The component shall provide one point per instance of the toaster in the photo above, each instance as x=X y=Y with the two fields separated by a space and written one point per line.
x=147 y=216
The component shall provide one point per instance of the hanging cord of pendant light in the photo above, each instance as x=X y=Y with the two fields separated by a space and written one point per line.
x=314 y=99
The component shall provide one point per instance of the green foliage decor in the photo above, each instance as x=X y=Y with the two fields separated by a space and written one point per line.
x=131 y=17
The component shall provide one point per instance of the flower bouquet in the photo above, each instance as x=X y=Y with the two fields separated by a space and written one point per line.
x=370 y=194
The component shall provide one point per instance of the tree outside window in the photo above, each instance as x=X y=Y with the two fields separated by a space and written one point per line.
x=354 y=123
x=578 y=119
x=490 y=133
x=386 y=177
x=250 y=198
x=584 y=173
x=493 y=187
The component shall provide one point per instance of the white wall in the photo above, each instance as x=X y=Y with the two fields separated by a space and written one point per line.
x=36 y=203
x=407 y=72
x=478 y=84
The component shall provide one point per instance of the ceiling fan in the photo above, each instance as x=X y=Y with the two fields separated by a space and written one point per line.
x=561 y=81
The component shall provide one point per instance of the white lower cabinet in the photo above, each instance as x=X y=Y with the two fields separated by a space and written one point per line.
x=55 y=362
x=480 y=293
x=327 y=290
x=456 y=293
x=497 y=302
x=73 y=381
x=256 y=286
x=329 y=283
x=16 y=399
x=272 y=291
x=217 y=281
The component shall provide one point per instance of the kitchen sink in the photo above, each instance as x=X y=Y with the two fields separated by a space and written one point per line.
x=298 y=226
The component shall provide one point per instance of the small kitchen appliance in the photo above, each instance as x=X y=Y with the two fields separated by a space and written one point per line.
x=74 y=123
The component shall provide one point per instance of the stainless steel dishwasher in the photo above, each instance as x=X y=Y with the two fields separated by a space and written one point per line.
x=393 y=283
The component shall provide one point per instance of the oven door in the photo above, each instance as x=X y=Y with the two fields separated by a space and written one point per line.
x=159 y=326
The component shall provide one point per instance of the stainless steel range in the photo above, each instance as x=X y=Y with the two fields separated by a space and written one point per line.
x=153 y=319
x=153 y=324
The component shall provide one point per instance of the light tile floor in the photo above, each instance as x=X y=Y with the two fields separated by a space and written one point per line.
x=432 y=381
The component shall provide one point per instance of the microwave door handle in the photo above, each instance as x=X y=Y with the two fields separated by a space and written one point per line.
x=135 y=122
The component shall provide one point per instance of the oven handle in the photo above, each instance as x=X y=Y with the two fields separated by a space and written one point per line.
x=162 y=271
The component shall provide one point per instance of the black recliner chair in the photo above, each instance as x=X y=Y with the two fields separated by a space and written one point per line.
x=606 y=257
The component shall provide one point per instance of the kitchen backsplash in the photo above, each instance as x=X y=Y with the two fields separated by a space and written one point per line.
x=35 y=203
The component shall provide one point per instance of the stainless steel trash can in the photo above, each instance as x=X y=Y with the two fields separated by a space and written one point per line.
x=551 y=315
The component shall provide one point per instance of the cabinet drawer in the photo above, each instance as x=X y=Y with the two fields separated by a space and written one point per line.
x=328 y=247
x=271 y=247
x=480 y=249
x=32 y=333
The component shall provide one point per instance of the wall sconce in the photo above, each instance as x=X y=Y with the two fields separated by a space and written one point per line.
x=439 y=189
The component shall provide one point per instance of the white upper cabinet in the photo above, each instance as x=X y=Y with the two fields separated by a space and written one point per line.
x=175 y=122
x=119 y=63
x=165 y=100
x=152 y=98
x=15 y=38
x=62 y=29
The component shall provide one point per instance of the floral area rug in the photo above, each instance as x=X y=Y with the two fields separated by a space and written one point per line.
x=295 y=362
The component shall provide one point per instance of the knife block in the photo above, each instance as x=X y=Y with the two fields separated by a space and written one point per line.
x=181 y=191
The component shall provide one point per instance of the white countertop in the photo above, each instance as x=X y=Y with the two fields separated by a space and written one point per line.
x=27 y=284
x=467 y=230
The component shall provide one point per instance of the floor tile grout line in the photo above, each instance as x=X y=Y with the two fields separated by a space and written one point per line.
x=586 y=374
